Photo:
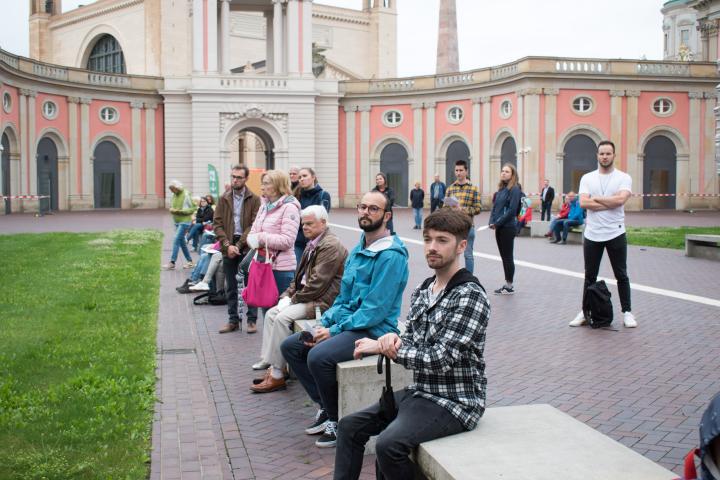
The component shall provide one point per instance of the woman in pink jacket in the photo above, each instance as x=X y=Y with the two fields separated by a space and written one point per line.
x=276 y=226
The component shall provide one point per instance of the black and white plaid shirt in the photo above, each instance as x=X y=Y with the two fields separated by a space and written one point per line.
x=443 y=344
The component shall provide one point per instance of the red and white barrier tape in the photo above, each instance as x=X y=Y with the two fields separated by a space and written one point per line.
x=640 y=194
x=23 y=197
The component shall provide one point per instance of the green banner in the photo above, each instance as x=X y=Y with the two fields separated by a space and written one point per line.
x=213 y=181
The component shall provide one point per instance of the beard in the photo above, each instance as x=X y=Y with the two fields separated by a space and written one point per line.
x=437 y=262
x=368 y=225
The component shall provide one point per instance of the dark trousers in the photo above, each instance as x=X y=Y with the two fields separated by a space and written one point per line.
x=419 y=420
x=315 y=367
x=232 y=266
x=617 y=251
x=564 y=225
x=505 y=239
x=545 y=207
x=435 y=203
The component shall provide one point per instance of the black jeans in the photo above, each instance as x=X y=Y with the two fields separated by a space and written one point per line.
x=315 y=367
x=546 y=207
x=617 y=251
x=419 y=420
x=435 y=203
x=505 y=238
x=231 y=267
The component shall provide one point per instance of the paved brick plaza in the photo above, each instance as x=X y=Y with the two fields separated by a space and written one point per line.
x=645 y=387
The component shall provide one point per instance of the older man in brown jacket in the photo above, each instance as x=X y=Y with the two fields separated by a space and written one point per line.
x=311 y=292
x=234 y=215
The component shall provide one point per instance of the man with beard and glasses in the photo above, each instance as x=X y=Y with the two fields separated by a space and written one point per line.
x=368 y=305
x=443 y=345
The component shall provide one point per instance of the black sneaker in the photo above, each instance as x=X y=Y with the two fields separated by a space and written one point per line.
x=183 y=286
x=319 y=424
x=328 y=438
x=504 y=290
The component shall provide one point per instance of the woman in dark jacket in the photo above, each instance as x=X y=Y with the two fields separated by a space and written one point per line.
x=308 y=192
x=417 y=201
x=204 y=215
x=382 y=186
x=503 y=219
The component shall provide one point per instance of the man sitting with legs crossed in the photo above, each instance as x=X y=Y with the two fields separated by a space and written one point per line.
x=443 y=345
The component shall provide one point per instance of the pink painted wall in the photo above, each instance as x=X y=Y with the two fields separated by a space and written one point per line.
x=443 y=127
x=567 y=118
x=14 y=115
x=497 y=123
x=342 y=152
x=123 y=128
x=679 y=120
x=61 y=120
x=378 y=130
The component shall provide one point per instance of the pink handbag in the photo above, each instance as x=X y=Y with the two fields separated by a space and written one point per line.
x=261 y=290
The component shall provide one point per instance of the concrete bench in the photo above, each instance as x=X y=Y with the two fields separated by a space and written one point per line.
x=539 y=228
x=703 y=246
x=533 y=442
x=525 y=231
x=575 y=234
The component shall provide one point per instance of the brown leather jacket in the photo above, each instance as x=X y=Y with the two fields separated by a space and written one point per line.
x=224 y=222
x=324 y=271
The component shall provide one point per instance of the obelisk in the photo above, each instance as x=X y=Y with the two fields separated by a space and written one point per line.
x=447 y=46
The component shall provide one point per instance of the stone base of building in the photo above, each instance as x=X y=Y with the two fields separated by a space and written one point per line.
x=81 y=202
x=146 y=201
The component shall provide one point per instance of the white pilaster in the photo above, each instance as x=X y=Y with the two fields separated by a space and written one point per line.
x=365 y=147
x=307 y=29
x=225 y=36
x=74 y=157
x=136 y=109
x=87 y=172
x=486 y=112
x=23 y=144
x=292 y=43
x=197 y=35
x=475 y=163
x=212 y=35
x=150 y=109
x=350 y=149
x=417 y=147
x=269 y=44
x=437 y=165
x=32 y=141
x=278 y=37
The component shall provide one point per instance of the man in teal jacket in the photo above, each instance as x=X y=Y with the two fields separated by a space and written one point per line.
x=181 y=209
x=368 y=305
x=575 y=218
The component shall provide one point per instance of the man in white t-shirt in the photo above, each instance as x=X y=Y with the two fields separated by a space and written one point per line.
x=603 y=192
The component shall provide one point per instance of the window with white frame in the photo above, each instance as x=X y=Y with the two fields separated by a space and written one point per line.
x=685 y=37
x=506 y=109
x=49 y=110
x=7 y=102
x=392 y=118
x=582 y=104
x=455 y=114
x=109 y=115
x=663 y=106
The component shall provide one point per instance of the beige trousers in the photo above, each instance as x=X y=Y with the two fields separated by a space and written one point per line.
x=277 y=327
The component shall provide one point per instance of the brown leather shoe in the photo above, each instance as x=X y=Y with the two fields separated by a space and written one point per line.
x=229 y=327
x=251 y=328
x=269 y=385
x=258 y=381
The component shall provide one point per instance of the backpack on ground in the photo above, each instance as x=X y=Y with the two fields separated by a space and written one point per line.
x=597 y=305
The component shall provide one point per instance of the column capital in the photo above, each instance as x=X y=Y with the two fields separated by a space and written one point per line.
x=710 y=95
x=85 y=100
x=138 y=105
x=430 y=104
x=364 y=108
x=632 y=93
x=551 y=91
x=417 y=105
x=486 y=99
x=350 y=108
x=695 y=95
x=26 y=92
x=529 y=91
x=151 y=106
x=73 y=100
x=476 y=100
x=617 y=93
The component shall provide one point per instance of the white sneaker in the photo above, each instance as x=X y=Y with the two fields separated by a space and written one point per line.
x=629 y=320
x=200 y=287
x=578 y=321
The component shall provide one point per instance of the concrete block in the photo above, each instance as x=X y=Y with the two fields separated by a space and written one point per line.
x=703 y=246
x=533 y=442
x=539 y=228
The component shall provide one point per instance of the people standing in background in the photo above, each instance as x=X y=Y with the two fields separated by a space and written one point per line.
x=504 y=221
x=417 y=201
x=308 y=192
x=468 y=197
x=181 y=210
x=382 y=186
x=546 y=199
x=437 y=193
x=293 y=173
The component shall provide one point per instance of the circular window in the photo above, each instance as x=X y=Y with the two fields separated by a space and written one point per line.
x=7 y=102
x=455 y=114
x=392 y=118
x=49 y=110
x=506 y=109
x=109 y=115
x=663 y=107
x=583 y=105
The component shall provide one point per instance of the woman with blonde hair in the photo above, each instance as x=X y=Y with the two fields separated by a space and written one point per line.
x=503 y=219
x=275 y=228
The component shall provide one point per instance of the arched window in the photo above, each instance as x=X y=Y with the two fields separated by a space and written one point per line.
x=107 y=56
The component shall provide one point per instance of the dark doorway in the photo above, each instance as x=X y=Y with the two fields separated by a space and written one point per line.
x=5 y=173
x=47 y=174
x=508 y=152
x=267 y=142
x=457 y=150
x=659 y=172
x=107 y=175
x=580 y=157
x=394 y=164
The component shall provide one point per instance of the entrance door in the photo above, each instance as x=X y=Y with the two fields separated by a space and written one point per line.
x=107 y=175
x=47 y=174
x=5 y=173
x=580 y=157
x=457 y=150
x=659 y=170
x=508 y=152
x=394 y=164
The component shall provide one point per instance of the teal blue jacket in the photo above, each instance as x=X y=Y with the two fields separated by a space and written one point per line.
x=371 y=288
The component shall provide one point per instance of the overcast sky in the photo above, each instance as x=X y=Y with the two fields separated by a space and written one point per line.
x=491 y=32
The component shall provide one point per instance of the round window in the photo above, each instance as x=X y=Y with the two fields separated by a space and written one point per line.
x=582 y=104
x=7 y=102
x=109 y=115
x=506 y=109
x=455 y=114
x=663 y=106
x=49 y=110
x=392 y=118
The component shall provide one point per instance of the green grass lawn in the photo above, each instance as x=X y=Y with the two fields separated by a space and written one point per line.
x=665 y=237
x=77 y=354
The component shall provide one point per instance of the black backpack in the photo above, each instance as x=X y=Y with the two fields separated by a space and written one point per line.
x=597 y=306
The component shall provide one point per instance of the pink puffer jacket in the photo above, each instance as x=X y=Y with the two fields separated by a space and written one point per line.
x=277 y=230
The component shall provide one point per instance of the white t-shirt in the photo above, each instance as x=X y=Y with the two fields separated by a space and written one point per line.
x=606 y=224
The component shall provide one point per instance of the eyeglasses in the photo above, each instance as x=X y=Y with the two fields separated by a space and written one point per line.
x=237 y=177
x=370 y=208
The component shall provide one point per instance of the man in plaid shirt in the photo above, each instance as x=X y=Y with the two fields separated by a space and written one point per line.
x=443 y=344
x=468 y=197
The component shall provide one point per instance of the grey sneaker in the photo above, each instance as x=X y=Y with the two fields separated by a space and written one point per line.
x=504 y=290
x=318 y=426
